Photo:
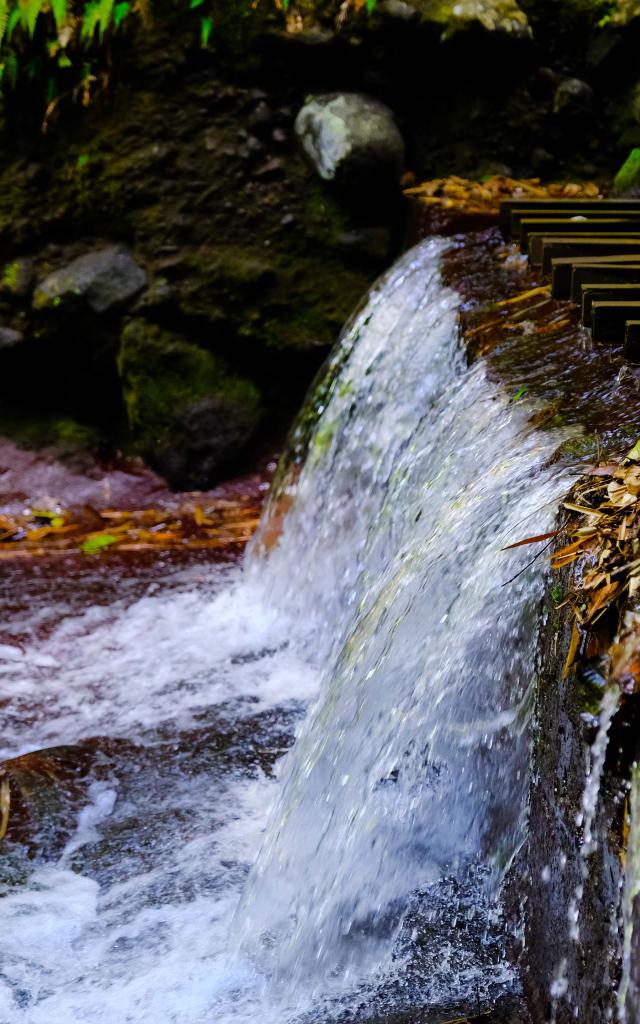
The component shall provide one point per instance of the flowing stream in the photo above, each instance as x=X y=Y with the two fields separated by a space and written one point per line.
x=202 y=876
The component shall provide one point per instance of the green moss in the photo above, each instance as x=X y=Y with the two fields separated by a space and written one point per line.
x=493 y=15
x=321 y=442
x=66 y=435
x=628 y=177
x=10 y=275
x=226 y=280
x=163 y=376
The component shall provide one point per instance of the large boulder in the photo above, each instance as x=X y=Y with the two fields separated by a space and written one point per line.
x=101 y=280
x=191 y=416
x=351 y=139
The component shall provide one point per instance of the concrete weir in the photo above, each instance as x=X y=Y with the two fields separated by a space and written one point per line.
x=572 y=886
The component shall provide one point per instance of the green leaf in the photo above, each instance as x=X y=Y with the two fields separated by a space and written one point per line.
x=30 y=11
x=206 y=27
x=195 y=3
x=120 y=12
x=63 y=61
x=59 y=8
x=634 y=453
x=94 y=544
x=4 y=17
x=97 y=15
x=371 y=6
x=519 y=393
x=83 y=160
x=14 y=19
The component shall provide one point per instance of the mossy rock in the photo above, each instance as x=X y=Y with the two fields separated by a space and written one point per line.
x=65 y=436
x=223 y=279
x=192 y=418
x=493 y=15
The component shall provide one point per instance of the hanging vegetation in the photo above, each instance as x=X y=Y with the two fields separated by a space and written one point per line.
x=66 y=44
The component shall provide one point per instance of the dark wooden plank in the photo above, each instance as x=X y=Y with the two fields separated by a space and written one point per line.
x=508 y=205
x=562 y=268
x=632 y=341
x=602 y=273
x=545 y=248
x=567 y=225
x=606 y=292
x=596 y=211
x=608 y=320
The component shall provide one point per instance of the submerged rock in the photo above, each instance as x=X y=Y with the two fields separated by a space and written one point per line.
x=101 y=280
x=573 y=96
x=9 y=338
x=191 y=416
x=351 y=139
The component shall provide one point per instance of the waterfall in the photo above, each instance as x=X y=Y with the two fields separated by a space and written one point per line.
x=629 y=989
x=412 y=768
x=365 y=872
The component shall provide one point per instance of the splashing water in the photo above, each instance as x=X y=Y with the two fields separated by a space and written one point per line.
x=629 y=989
x=587 y=815
x=403 y=801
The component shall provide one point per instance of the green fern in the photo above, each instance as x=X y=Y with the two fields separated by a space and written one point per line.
x=4 y=18
x=59 y=8
x=29 y=13
x=14 y=20
x=97 y=15
x=8 y=68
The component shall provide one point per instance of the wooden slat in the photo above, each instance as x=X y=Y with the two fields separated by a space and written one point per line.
x=545 y=248
x=508 y=205
x=631 y=349
x=562 y=269
x=602 y=273
x=608 y=320
x=595 y=211
x=568 y=226
x=606 y=292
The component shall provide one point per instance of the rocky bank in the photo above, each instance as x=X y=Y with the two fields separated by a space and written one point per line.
x=177 y=259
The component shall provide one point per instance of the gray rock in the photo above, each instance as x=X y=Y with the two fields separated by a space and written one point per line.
x=573 y=96
x=100 y=280
x=351 y=139
x=315 y=35
x=9 y=338
x=397 y=9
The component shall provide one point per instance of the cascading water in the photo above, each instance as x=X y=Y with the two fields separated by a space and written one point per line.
x=403 y=801
x=629 y=989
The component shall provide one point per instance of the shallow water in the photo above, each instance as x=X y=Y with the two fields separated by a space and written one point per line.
x=198 y=876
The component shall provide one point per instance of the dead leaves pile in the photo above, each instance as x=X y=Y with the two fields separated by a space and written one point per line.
x=191 y=525
x=605 y=532
x=485 y=197
x=604 y=546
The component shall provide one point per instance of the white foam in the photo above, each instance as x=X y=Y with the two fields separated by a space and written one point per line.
x=124 y=669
